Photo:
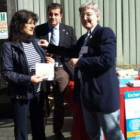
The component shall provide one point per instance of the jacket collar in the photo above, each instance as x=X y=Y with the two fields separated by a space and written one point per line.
x=39 y=49
x=63 y=34
x=91 y=35
x=17 y=45
x=95 y=29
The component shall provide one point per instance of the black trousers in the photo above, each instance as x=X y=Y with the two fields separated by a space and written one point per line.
x=21 y=108
x=60 y=85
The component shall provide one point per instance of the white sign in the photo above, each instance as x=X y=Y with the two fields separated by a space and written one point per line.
x=3 y=25
x=45 y=70
x=132 y=111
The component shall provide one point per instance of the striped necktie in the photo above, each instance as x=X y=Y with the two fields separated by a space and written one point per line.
x=87 y=36
x=53 y=39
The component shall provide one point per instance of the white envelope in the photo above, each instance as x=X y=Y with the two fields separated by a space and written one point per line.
x=45 y=70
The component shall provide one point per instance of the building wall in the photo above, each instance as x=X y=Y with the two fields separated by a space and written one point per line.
x=121 y=15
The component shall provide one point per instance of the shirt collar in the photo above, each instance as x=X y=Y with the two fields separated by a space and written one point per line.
x=56 y=27
x=91 y=30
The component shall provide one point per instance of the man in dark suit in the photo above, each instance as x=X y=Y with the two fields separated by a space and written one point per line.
x=58 y=34
x=94 y=59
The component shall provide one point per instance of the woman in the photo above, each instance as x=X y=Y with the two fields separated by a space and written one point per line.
x=19 y=56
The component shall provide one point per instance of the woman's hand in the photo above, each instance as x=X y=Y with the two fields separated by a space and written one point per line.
x=36 y=79
x=73 y=62
x=43 y=43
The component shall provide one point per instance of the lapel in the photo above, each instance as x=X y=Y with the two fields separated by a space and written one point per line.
x=91 y=37
x=46 y=30
x=93 y=34
x=83 y=39
x=62 y=34
x=92 y=40
x=17 y=45
x=39 y=50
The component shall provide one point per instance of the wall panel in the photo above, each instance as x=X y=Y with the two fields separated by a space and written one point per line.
x=138 y=31
x=42 y=11
x=125 y=32
x=112 y=14
x=31 y=5
x=106 y=13
x=119 y=32
x=132 y=27
x=100 y=3
x=25 y=4
x=66 y=12
x=20 y=4
x=70 y=12
x=36 y=9
x=77 y=23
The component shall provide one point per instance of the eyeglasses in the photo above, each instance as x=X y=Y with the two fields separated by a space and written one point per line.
x=88 y=15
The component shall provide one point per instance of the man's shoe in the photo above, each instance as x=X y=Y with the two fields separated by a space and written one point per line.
x=59 y=136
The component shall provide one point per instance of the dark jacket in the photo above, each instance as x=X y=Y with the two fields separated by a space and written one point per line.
x=67 y=39
x=99 y=86
x=15 y=68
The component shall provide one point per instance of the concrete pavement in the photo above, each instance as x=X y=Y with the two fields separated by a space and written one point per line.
x=7 y=129
x=6 y=122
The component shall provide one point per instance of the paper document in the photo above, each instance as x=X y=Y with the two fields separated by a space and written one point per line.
x=135 y=83
x=45 y=70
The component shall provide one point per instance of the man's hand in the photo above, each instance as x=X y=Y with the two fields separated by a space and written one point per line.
x=43 y=43
x=49 y=59
x=36 y=79
x=73 y=62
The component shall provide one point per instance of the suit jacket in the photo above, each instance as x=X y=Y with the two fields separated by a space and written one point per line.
x=98 y=85
x=67 y=39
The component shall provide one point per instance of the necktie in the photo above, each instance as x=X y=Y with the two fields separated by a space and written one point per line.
x=86 y=38
x=87 y=35
x=53 y=39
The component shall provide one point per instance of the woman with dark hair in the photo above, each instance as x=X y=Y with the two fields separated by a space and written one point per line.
x=19 y=56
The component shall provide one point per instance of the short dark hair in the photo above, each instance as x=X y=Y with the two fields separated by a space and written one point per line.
x=55 y=6
x=17 y=24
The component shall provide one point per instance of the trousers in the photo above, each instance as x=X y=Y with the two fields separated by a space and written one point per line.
x=60 y=86
x=21 y=108
x=99 y=123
